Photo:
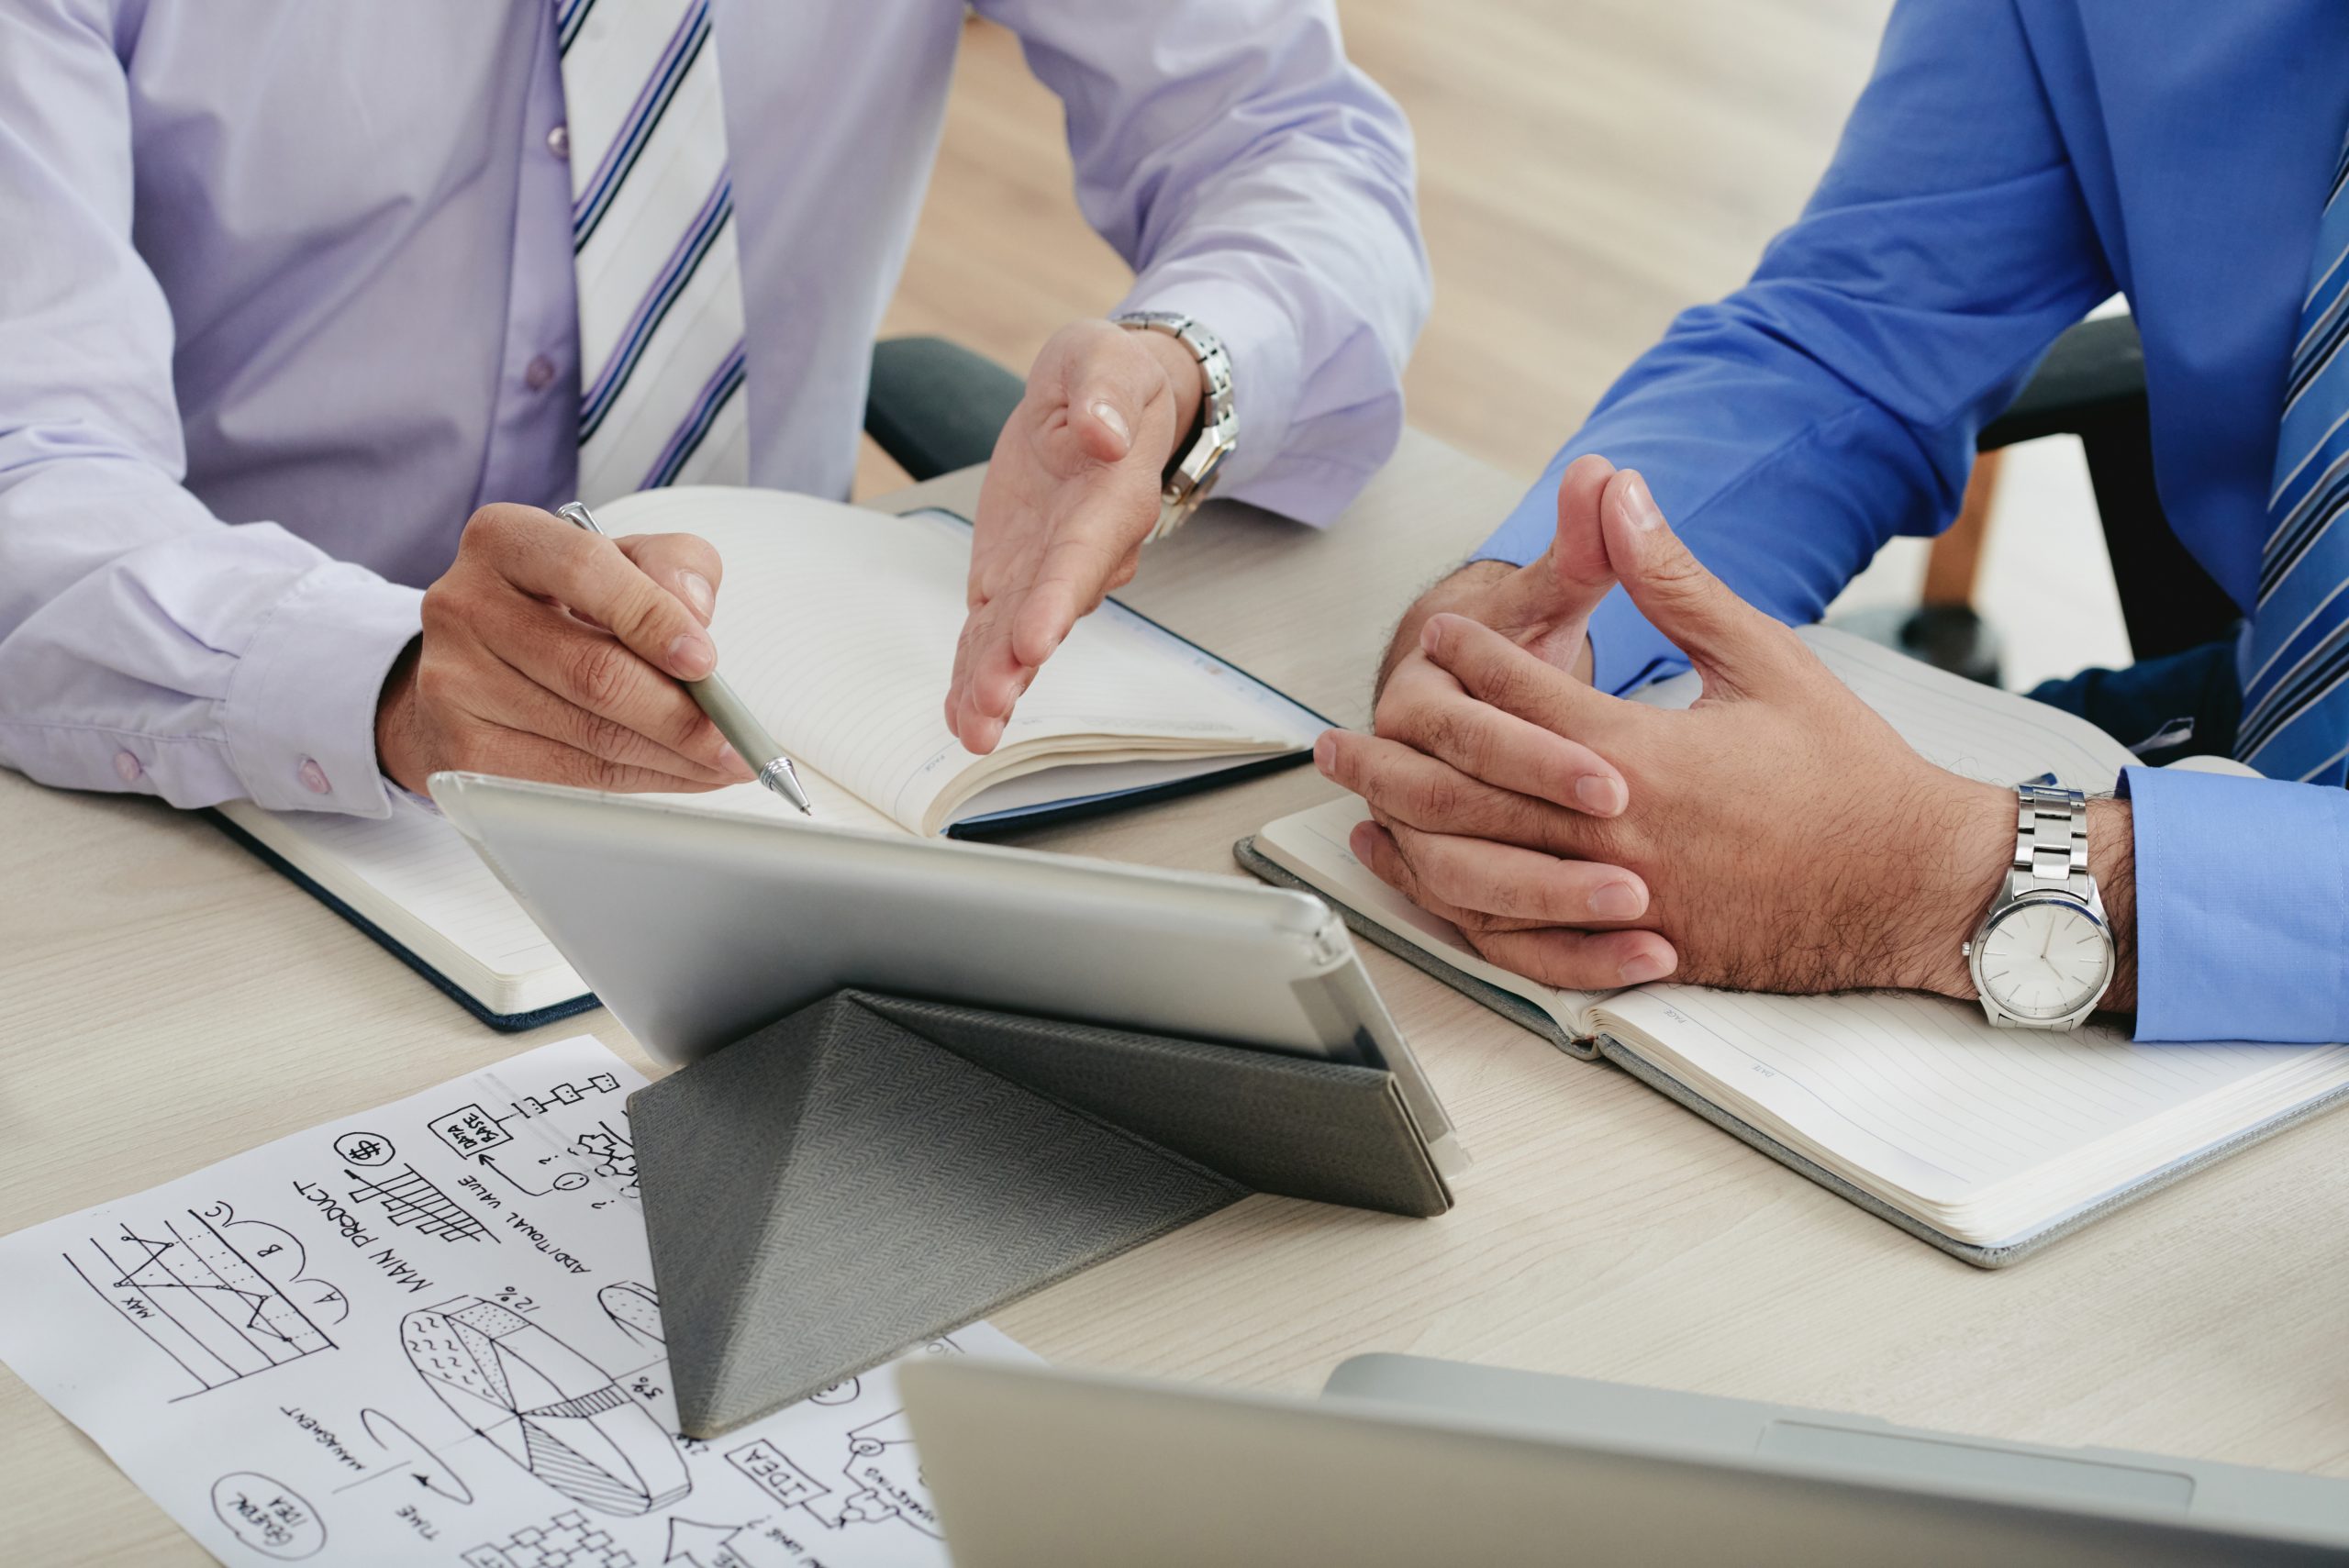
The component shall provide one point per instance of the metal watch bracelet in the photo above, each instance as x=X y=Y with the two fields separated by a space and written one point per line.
x=1192 y=475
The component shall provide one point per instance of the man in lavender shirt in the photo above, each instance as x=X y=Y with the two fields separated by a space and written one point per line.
x=287 y=297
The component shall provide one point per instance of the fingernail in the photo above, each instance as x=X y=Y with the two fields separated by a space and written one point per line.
x=1642 y=967
x=1429 y=635
x=1641 y=505
x=697 y=591
x=1617 y=901
x=1115 y=420
x=1600 y=796
x=735 y=767
x=691 y=656
x=1325 y=751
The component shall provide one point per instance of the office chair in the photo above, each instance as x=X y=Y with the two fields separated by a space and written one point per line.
x=935 y=406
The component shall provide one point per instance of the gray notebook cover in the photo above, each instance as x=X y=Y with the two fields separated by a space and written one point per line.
x=869 y=1172
x=1607 y=1047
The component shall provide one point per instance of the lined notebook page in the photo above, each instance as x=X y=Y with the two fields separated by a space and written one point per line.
x=1967 y=727
x=1922 y=1093
x=416 y=877
x=839 y=625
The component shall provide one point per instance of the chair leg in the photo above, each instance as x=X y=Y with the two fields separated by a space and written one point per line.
x=1943 y=629
x=1954 y=564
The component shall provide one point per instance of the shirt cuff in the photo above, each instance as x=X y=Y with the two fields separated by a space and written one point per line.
x=2242 y=907
x=299 y=714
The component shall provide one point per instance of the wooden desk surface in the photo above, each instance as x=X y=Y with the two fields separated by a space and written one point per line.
x=166 y=1002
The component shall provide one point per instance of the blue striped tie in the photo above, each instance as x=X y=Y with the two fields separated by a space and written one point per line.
x=2295 y=687
x=661 y=359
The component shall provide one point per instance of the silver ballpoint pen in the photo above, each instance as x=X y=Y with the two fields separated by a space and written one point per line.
x=729 y=713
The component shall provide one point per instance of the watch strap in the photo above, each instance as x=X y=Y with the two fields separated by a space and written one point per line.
x=2050 y=842
x=1192 y=474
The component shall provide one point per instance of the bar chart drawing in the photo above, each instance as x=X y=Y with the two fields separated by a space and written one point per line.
x=410 y=1199
x=194 y=1296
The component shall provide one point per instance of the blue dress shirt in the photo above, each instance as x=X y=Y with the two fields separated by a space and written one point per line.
x=2010 y=163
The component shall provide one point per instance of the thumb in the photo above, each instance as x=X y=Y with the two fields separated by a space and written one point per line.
x=1724 y=636
x=1558 y=590
x=1108 y=387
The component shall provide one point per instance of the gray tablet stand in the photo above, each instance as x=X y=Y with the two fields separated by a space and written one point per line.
x=869 y=1172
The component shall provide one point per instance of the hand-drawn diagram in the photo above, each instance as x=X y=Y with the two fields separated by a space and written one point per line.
x=418 y=1463
x=269 y=1518
x=610 y=1153
x=568 y=1182
x=203 y=1302
x=635 y=1308
x=883 y=1474
x=844 y=1392
x=694 y=1545
x=365 y=1148
x=469 y=1129
x=567 y=1540
x=545 y=1407
x=409 y=1198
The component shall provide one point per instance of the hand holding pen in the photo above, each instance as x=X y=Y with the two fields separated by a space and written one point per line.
x=552 y=654
x=729 y=712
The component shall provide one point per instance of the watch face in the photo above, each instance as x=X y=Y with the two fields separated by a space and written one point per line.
x=2044 y=958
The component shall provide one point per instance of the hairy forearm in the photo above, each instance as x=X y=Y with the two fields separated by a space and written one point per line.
x=1457 y=593
x=2112 y=857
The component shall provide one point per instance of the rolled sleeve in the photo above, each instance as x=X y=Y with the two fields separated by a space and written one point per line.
x=2242 y=907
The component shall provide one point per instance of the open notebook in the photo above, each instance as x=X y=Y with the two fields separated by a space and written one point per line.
x=1987 y=1142
x=839 y=626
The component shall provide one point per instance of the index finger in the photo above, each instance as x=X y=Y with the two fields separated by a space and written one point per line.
x=541 y=554
x=1494 y=669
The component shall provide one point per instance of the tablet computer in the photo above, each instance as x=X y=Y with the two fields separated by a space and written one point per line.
x=697 y=928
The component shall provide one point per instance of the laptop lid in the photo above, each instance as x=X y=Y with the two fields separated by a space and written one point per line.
x=1040 y=1465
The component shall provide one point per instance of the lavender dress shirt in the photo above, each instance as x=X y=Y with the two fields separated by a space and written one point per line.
x=285 y=293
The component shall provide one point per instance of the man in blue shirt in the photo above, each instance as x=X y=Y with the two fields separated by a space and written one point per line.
x=2012 y=163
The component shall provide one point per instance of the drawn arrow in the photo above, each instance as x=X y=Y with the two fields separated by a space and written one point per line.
x=710 y=1546
x=569 y=1182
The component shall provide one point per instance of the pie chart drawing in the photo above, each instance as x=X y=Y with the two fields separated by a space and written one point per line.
x=545 y=1407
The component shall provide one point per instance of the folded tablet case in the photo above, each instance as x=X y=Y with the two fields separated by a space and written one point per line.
x=1605 y=1047
x=871 y=1172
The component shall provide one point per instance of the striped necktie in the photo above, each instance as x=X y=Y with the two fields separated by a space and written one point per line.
x=2296 y=703
x=652 y=240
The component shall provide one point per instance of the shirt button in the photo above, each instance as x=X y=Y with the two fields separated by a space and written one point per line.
x=314 y=778
x=559 y=142
x=127 y=767
x=538 y=373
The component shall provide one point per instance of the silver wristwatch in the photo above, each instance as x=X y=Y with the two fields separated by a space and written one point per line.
x=2043 y=953
x=1193 y=472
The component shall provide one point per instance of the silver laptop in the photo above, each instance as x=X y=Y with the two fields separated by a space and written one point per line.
x=1412 y=1462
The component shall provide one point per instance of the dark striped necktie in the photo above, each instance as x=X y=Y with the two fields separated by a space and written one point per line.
x=2295 y=690
x=652 y=237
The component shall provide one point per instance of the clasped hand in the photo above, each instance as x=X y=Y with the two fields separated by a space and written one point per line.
x=1777 y=835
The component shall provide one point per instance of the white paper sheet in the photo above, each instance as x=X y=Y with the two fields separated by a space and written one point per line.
x=324 y=1350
